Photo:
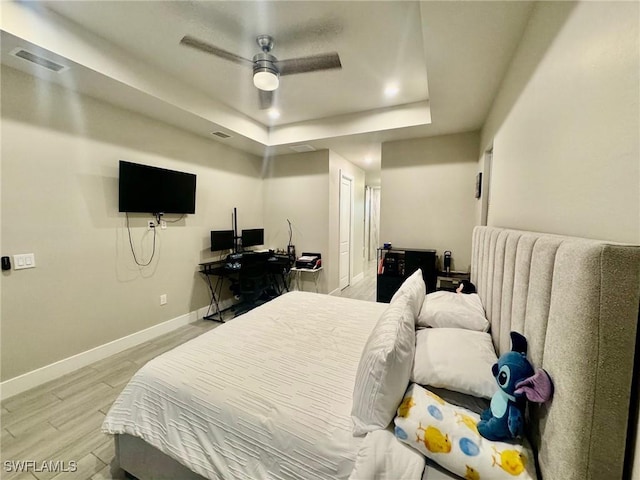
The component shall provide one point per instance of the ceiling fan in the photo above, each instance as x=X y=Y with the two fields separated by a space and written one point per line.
x=267 y=68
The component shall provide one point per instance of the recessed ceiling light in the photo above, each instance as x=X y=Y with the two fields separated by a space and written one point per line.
x=391 y=90
x=273 y=114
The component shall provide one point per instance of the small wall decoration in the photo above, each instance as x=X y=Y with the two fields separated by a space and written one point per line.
x=479 y=185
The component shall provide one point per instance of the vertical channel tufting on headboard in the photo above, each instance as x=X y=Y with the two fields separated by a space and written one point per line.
x=576 y=300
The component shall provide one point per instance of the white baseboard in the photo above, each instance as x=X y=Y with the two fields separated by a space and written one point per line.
x=42 y=375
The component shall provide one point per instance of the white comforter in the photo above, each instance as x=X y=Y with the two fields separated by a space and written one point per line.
x=267 y=395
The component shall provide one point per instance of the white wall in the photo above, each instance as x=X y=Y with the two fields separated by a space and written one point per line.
x=304 y=188
x=60 y=154
x=296 y=187
x=427 y=194
x=565 y=125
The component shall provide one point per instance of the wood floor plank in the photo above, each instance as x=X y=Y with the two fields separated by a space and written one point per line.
x=105 y=404
x=22 y=448
x=121 y=374
x=17 y=475
x=110 y=472
x=49 y=386
x=18 y=425
x=66 y=421
x=6 y=436
x=30 y=402
x=106 y=451
x=86 y=467
x=74 y=448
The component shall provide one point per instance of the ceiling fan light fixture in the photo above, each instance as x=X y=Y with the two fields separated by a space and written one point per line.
x=265 y=79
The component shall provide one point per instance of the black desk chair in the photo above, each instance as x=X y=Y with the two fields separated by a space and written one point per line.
x=253 y=281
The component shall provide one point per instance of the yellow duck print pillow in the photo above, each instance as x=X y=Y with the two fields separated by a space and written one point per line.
x=448 y=435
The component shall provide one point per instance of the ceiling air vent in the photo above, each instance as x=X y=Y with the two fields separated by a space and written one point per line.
x=221 y=134
x=302 y=148
x=38 y=60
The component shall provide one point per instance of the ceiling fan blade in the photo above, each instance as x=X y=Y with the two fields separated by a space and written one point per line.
x=207 y=48
x=325 y=61
x=266 y=99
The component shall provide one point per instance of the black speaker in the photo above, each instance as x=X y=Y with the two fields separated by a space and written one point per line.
x=446 y=263
x=6 y=263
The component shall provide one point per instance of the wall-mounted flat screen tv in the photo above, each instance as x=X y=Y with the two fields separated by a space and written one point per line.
x=147 y=189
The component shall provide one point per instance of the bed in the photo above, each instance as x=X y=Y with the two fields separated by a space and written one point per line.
x=271 y=393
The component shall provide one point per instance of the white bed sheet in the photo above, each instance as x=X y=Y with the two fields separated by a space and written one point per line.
x=266 y=395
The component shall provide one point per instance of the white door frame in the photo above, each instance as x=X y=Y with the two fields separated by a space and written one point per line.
x=349 y=266
x=486 y=186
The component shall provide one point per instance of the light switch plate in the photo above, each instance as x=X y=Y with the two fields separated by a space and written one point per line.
x=24 y=260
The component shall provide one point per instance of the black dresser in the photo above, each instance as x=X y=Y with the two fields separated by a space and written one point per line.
x=396 y=264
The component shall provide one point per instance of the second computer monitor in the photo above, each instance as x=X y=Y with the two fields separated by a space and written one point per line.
x=253 y=236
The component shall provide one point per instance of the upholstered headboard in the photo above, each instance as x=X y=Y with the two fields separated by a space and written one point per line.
x=576 y=300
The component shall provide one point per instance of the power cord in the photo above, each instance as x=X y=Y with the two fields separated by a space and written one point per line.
x=177 y=220
x=153 y=252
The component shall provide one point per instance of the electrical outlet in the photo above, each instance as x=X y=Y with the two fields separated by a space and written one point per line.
x=163 y=224
x=152 y=225
x=163 y=299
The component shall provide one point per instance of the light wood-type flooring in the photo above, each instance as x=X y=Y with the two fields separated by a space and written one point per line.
x=59 y=422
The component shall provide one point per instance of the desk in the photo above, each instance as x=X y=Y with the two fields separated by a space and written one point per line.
x=276 y=266
x=315 y=272
x=214 y=269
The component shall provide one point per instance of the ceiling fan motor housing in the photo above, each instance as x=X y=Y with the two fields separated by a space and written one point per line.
x=265 y=62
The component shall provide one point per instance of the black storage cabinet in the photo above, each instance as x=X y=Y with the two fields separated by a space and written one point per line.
x=395 y=265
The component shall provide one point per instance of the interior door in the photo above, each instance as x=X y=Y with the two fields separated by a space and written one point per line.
x=346 y=201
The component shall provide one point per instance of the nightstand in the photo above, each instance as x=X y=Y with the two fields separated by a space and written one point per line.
x=450 y=281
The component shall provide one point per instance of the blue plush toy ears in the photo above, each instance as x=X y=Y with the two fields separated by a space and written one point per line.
x=518 y=343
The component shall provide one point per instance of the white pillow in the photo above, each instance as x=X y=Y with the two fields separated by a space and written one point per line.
x=414 y=289
x=455 y=359
x=384 y=369
x=450 y=309
x=383 y=457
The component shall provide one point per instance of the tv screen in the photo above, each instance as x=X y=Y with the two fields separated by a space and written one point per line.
x=254 y=236
x=147 y=189
x=222 y=240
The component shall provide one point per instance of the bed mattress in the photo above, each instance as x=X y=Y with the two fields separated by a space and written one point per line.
x=266 y=395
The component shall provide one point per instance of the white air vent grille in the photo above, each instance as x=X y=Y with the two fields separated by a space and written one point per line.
x=221 y=134
x=38 y=60
x=302 y=148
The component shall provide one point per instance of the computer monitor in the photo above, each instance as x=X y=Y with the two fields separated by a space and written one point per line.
x=253 y=236
x=222 y=240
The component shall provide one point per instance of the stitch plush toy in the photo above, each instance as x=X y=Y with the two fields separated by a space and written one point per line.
x=517 y=383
